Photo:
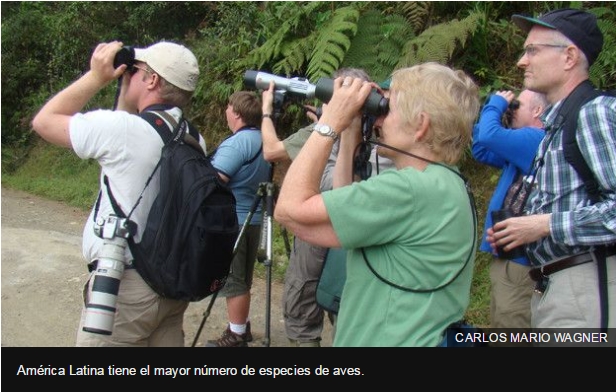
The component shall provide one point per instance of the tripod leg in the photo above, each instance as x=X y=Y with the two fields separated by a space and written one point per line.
x=253 y=209
x=206 y=314
x=267 y=262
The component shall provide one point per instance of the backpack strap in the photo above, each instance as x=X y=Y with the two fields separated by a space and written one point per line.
x=163 y=130
x=568 y=117
x=114 y=203
x=251 y=160
x=153 y=117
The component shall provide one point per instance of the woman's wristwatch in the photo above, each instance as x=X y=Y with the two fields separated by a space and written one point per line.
x=326 y=130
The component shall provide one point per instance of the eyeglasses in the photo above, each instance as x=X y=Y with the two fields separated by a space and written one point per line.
x=134 y=69
x=532 y=49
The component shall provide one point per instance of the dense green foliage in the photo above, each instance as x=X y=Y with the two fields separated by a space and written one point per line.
x=47 y=45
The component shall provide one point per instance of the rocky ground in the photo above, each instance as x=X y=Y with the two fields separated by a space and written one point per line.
x=43 y=273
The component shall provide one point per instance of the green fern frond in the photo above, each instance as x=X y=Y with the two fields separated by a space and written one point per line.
x=397 y=33
x=296 y=12
x=389 y=54
x=416 y=13
x=295 y=55
x=364 y=43
x=271 y=49
x=603 y=71
x=294 y=16
x=378 y=43
x=333 y=42
x=439 y=42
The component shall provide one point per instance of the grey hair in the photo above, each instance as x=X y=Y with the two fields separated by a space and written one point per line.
x=352 y=72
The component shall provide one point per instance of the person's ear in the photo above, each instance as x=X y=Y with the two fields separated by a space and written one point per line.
x=423 y=124
x=573 y=54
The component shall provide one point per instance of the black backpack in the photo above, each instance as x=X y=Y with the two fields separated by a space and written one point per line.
x=187 y=244
x=568 y=118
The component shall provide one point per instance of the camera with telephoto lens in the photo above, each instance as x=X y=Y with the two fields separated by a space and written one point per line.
x=101 y=305
x=376 y=104
x=126 y=55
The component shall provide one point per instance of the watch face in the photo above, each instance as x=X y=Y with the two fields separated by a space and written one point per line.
x=324 y=130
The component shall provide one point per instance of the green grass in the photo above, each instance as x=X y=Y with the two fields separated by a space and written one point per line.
x=57 y=174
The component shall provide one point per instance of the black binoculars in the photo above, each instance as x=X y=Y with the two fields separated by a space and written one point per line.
x=126 y=55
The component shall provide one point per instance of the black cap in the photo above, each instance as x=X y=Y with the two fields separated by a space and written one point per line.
x=577 y=25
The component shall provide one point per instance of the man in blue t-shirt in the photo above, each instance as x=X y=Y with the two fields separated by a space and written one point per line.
x=239 y=161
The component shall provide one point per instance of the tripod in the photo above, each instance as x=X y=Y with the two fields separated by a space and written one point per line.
x=265 y=195
x=264 y=254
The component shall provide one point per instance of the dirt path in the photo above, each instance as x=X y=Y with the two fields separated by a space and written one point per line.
x=43 y=273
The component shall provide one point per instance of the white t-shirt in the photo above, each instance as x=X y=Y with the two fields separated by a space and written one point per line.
x=127 y=149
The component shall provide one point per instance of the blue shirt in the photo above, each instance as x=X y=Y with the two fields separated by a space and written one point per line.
x=240 y=158
x=511 y=150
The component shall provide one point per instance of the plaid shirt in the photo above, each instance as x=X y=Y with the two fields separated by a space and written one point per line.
x=576 y=225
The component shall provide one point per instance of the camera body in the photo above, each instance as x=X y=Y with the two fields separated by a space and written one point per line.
x=101 y=304
x=295 y=87
x=126 y=55
x=501 y=215
x=376 y=104
x=114 y=226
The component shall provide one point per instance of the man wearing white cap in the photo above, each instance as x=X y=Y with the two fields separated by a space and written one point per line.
x=160 y=78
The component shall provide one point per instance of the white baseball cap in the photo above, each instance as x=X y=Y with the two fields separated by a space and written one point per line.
x=174 y=62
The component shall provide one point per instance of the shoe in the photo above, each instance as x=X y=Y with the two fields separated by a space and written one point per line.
x=228 y=339
x=248 y=333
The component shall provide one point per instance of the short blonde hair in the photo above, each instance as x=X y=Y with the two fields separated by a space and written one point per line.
x=449 y=97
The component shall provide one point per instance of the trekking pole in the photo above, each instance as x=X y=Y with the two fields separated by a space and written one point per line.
x=241 y=234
